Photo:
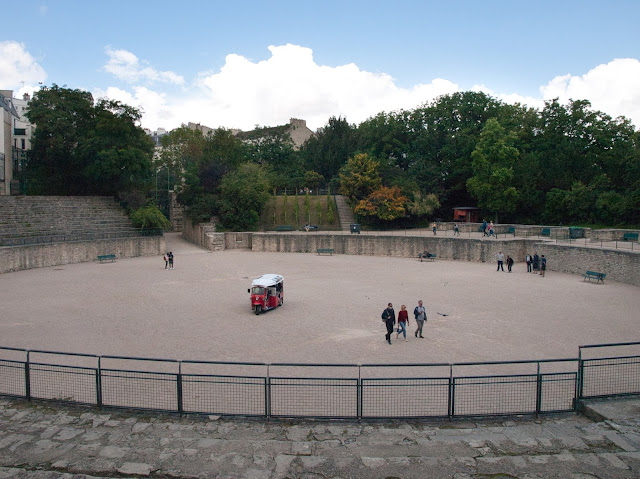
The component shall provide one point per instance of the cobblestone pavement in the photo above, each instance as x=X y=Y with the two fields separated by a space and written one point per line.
x=40 y=440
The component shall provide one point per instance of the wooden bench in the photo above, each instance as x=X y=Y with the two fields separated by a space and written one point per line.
x=425 y=255
x=630 y=237
x=284 y=228
x=599 y=277
x=107 y=257
x=324 y=251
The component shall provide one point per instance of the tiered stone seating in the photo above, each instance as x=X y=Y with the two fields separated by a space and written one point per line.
x=44 y=219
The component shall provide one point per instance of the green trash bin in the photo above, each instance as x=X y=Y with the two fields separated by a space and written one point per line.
x=576 y=233
x=355 y=228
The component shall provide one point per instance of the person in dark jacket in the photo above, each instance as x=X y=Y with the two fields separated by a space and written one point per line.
x=389 y=317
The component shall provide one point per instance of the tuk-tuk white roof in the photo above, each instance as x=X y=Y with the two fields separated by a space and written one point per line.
x=267 y=280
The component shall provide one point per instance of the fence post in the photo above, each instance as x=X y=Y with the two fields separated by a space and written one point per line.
x=579 y=390
x=27 y=378
x=99 y=382
x=538 y=391
x=451 y=398
x=359 y=394
x=267 y=394
x=179 y=388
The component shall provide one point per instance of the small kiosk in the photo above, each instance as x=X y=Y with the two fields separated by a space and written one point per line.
x=466 y=214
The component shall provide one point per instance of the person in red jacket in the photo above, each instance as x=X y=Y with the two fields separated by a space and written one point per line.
x=403 y=321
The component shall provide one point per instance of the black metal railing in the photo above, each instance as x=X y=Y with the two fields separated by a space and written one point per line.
x=329 y=391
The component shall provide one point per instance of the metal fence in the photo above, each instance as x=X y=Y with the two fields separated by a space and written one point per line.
x=330 y=391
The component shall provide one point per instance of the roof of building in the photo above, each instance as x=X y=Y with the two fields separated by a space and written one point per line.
x=8 y=105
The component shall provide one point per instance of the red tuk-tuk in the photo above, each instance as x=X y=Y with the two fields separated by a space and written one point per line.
x=267 y=292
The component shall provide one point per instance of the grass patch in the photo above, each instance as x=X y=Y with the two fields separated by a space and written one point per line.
x=299 y=210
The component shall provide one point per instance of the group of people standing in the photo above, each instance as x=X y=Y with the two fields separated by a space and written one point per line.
x=168 y=260
x=487 y=229
x=389 y=318
x=501 y=261
x=536 y=264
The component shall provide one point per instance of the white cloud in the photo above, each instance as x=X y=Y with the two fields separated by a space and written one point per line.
x=244 y=93
x=291 y=84
x=613 y=88
x=18 y=69
x=126 y=66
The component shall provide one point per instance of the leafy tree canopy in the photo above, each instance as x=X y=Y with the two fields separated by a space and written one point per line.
x=86 y=148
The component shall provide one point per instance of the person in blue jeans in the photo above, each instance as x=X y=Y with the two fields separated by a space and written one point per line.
x=403 y=321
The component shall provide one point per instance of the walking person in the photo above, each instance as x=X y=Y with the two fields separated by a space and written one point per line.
x=509 y=263
x=403 y=322
x=456 y=230
x=536 y=263
x=491 y=229
x=420 y=315
x=166 y=261
x=529 y=260
x=434 y=228
x=484 y=228
x=389 y=318
x=500 y=259
x=170 y=259
x=543 y=265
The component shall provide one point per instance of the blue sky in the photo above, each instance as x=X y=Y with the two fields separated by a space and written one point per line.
x=241 y=64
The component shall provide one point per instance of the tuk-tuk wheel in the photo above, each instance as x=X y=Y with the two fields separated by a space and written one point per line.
x=258 y=310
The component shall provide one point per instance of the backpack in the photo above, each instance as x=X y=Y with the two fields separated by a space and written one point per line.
x=385 y=316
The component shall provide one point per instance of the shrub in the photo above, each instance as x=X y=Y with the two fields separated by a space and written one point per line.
x=149 y=217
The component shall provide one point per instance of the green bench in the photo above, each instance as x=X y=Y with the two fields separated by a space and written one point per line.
x=324 y=251
x=284 y=228
x=545 y=232
x=599 y=277
x=107 y=257
x=511 y=231
x=630 y=237
x=427 y=256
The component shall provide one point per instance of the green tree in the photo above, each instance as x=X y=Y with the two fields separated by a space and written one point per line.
x=82 y=148
x=244 y=193
x=359 y=178
x=492 y=163
x=149 y=217
x=329 y=149
x=423 y=205
x=313 y=180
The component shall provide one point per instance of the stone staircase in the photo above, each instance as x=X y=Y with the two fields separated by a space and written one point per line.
x=46 y=219
x=345 y=213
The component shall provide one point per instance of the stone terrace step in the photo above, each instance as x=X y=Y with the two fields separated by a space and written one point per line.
x=29 y=216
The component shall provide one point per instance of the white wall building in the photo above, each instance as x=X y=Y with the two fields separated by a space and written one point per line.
x=9 y=114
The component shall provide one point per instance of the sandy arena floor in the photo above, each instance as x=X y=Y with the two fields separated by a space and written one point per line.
x=200 y=310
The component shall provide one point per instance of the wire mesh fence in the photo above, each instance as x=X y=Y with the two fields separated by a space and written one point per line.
x=329 y=391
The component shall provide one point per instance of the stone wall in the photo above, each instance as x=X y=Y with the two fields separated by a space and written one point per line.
x=610 y=234
x=385 y=245
x=618 y=265
x=237 y=240
x=622 y=266
x=205 y=236
x=16 y=258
